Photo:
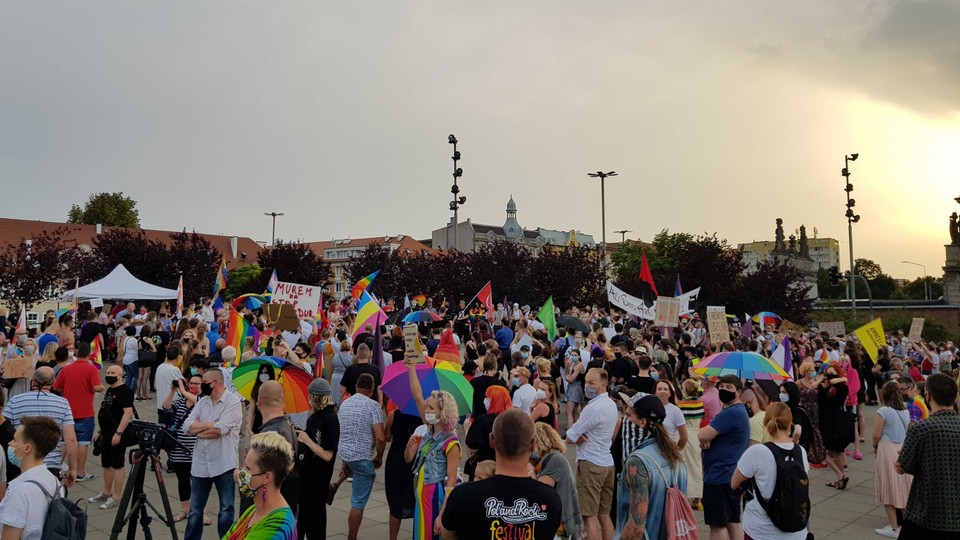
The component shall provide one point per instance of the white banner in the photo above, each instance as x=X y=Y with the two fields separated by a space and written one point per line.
x=304 y=298
x=686 y=298
x=630 y=304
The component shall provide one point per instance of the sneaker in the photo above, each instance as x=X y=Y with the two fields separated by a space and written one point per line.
x=846 y=452
x=99 y=498
x=888 y=532
x=857 y=455
x=85 y=477
x=332 y=493
x=111 y=503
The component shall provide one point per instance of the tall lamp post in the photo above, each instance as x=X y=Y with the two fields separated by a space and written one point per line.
x=926 y=283
x=273 y=230
x=851 y=219
x=603 y=211
x=457 y=201
x=623 y=235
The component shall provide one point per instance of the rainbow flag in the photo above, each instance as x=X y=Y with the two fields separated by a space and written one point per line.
x=677 y=289
x=368 y=312
x=96 y=355
x=419 y=299
x=362 y=285
x=221 y=280
x=238 y=333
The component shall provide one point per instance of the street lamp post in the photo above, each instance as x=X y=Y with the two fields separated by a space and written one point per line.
x=851 y=219
x=623 y=234
x=273 y=230
x=457 y=201
x=603 y=211
x=926 y=283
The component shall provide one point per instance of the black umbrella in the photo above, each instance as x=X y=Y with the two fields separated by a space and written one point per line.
x=573 y=324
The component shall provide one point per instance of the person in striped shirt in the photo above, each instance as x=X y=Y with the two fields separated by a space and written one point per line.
x=692 y=408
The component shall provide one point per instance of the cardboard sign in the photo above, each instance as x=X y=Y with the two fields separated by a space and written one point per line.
x=668 y=312
x=304 y=298
x=282 y=315
x=96 y=302
x=834 y=329
x=413 y=349
x=787 y=330
x=717 y=324
x=630 y=304
x=916 y=328
x=17 y=368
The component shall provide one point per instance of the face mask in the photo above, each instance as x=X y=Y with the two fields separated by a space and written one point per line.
x=524 y=355
x=654 y=375
x=516 y=381
x=784 y=397
x=12 y=457
x=29 y=349
x=244 y=484
x=430 y=418
x=811 y=375
x=590 y=392
x=264 y=377
x=726 y=396
x=541 y=395
x=111 y=380
x=574 y=358
x=193 y=371
x=486 y=403
x=206 y=389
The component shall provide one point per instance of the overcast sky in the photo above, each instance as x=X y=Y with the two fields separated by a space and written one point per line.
x=719 y=116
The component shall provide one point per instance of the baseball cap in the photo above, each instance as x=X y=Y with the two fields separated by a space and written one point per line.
x=651 y=408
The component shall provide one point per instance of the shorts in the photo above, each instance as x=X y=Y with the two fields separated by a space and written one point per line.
x=595 y=487
x=84 y=428
x=721 y=505
x=364 y=473
x=113 y=457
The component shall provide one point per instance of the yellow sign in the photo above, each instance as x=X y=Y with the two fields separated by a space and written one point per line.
x=872 y=338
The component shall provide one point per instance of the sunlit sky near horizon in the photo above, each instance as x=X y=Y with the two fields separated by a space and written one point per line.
x=718 y=116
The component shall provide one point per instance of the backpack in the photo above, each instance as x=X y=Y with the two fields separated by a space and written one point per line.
x=789 y=507
x=65 y=519
x=677 y=516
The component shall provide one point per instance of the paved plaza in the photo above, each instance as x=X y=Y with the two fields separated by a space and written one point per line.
x=849 y=515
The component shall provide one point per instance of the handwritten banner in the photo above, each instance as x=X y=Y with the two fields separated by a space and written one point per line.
x=833 y=329
x=717 y=324
x=630 y=304
x=305 y=299
x=413 y=353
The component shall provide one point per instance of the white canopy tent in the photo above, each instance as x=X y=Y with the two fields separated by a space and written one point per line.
x=120 y=284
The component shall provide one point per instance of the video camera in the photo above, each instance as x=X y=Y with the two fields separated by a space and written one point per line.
x=153 y=437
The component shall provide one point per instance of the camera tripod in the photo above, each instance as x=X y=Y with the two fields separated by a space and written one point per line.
x=133 y=490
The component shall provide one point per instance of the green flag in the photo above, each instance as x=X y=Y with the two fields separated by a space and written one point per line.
x=548 y=318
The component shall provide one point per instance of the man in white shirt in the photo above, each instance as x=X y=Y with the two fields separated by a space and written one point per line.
x=167 y=373
x=525 y=392
x=216 y=421
x=24 y=507
x=592 y=434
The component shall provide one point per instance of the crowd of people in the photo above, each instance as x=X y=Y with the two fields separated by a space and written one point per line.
x=655 y=440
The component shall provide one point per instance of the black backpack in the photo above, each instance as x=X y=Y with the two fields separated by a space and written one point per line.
x=65 y=519
x=789 y=507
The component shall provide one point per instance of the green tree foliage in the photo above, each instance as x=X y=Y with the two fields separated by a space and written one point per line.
x=110 y=209
x=773 y=286
x=243 y=280
x=295 y=263
x=882 y=285
x=194 y=257
x=35 y=269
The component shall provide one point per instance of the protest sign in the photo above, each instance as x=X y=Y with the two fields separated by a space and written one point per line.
x=96 y=302
x=305 y=299
x=17 y=368
x=787 y=330
x=283 y=316
x=717 y=324
x=668 y=312
x=871 y=337
x=609 y=333
x=413 y=353
x=630 y=304
x=916 y=328
x=833 y=329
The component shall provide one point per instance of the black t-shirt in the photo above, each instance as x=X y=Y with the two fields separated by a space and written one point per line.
x=503 y=507
x=647 y=385
x=6 y=435
x=89 y=332
x=111 y=408
x=354 y=371
x=323 y=427
x=620 y=370
x=360 y=340
x=480 y=383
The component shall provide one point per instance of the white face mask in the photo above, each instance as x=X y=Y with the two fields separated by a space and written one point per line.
x=430 y=418
x=264 y=377
x=784 y=397
x=486 y=403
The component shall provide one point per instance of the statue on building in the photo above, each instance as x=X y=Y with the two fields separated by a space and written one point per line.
x=793 y=245
x=778 y=243
x=804 y=245
x=954 y=229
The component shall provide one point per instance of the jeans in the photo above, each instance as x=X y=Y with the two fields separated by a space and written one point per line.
x=200 y=488
x=131 y=371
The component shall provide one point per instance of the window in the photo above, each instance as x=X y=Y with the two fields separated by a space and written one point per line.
x=339 y=288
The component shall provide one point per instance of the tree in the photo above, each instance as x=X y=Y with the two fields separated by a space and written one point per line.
x=572 y=275
x=774 y=286
x=914 y=290
x=35 y=269
x=375 y=257
x=882 y=285
x=868 y=269
x=110 y=209
x=197 y=260
x=243 y=280
x=295 y=262
x=146 y=259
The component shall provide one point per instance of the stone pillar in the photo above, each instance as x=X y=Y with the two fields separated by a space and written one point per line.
x=951 y=276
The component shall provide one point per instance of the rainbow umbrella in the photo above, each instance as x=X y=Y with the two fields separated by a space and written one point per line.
x=293 y=379
x=746 y=365
x=249 y=301
x=433 y=376
x=767 y=317
x=422 y=316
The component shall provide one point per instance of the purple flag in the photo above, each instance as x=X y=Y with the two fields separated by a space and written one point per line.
x=747 y=328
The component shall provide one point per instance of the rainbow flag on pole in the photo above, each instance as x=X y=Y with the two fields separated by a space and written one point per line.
x=368 y=312
x=238 y=333
x=96 y=354
x=221 y=280
x=362 y=285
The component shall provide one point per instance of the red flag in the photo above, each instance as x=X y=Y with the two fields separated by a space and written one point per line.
x=647 y=287
x=486 y=298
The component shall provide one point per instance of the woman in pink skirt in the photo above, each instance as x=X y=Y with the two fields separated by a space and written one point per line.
x=889 y=430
